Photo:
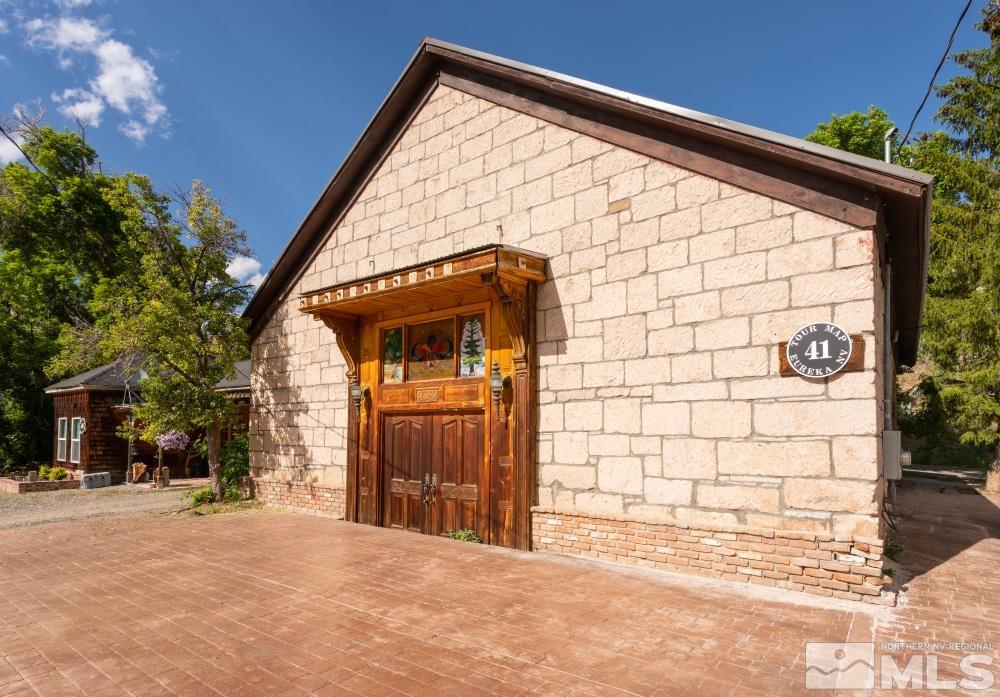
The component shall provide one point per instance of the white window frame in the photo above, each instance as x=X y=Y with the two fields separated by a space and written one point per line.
x=76 y=431
x=62 y=437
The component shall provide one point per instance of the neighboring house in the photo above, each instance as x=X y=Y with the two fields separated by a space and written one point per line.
x=554 y=313
x=89 y=408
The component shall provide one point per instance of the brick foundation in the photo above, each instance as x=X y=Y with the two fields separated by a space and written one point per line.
x=842 y=567
x=12 y=486
x=301 y=497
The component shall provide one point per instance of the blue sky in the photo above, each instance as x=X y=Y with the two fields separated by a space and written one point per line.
x=263 y=100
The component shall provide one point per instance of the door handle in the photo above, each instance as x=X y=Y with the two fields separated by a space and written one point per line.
x=434 y=488
x=425 y=490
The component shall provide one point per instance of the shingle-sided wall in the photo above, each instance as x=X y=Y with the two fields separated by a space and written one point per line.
x=657 y=335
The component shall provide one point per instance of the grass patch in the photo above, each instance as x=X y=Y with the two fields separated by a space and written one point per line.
x=893 y=549
x=464 y=535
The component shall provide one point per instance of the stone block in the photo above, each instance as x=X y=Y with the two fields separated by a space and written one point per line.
x=620 y=475
x=696 y=190
x=570 y=448
x=760 y=297
x=774 y=458
x=623 y=415
x=585 y=416
x=666 y=419
x=766 y=234
x=798 y=259
x=837 y=495
x=722 y=333
x=570 y=476
x=647 y=371
x=721 y=419
x=855 y=457
x=807 y=225
x=738 y=497
x=668 y=492
x=736 y=271
x=712 y=245
x=688 y=458
x=671 y=340
x=741 y=363
x=697 y=308
x=736 y=210
x=817 y=418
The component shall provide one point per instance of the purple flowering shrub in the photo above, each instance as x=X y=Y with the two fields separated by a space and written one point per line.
x=173 y=440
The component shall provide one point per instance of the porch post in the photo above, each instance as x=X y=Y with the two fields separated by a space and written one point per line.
x=348 y=335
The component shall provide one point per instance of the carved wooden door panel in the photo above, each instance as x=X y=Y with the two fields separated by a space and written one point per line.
x=457 y=452
x=406 y=458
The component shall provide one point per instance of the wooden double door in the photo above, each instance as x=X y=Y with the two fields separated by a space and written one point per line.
x=432 y=466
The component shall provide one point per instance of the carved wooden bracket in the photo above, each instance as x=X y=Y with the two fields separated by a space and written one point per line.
x=348 y=334
x=514 y=305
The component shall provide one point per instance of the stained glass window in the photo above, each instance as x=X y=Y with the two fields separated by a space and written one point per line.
x=392 y=355
x=431 y=353
x=472 y=347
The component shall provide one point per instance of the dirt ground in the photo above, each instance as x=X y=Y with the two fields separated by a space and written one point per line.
x=52 y=506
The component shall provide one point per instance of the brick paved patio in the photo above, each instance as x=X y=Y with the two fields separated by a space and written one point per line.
x=284 y=604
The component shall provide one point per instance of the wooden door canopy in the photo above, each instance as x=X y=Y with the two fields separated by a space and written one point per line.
x=428 y=281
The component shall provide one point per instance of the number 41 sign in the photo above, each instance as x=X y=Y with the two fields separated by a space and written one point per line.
x=819 y=350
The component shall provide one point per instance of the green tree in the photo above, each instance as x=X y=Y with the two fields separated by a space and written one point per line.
x=962 y=320
x=178 y=317
x=862 y=134
x=58 y=238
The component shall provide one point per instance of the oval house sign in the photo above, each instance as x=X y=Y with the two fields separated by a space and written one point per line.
x=818 y=350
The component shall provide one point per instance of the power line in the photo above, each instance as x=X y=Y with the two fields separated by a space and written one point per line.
x=930 y=85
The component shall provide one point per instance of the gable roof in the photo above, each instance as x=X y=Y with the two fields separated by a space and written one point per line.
x=846 y=186
x=240 y=380
x=112 y=377
x=105 y=377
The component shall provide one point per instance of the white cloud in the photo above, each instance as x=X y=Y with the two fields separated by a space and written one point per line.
x=246 y=270
x=73 y=4
x=8 y=151
x=76 y=103
x=64 y=33
x=123 y=81
x=3 y=26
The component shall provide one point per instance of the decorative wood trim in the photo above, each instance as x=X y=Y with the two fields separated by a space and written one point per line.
x=813 y=192
x=855 y=363
x=437 y=276
x=348 y=334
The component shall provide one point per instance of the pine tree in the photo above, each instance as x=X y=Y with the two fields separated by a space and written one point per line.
x=961 y=333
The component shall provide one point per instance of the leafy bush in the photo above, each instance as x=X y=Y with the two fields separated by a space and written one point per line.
x=464 y=535
x=235 y=456
x=199 y=497
x=57 y=473
x=43 y=471
x=928 y=426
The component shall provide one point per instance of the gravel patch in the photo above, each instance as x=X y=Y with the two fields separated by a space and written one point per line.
x=17 y=510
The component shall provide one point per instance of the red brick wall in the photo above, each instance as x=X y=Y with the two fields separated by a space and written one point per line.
x=843 y=567
x=302 y=497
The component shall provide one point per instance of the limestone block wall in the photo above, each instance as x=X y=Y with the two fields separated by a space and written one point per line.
x=657 y=333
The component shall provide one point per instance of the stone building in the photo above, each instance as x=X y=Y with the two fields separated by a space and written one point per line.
x=554 y=313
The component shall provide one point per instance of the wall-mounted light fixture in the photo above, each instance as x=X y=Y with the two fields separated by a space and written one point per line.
x=496 y=389
x=357 y=394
